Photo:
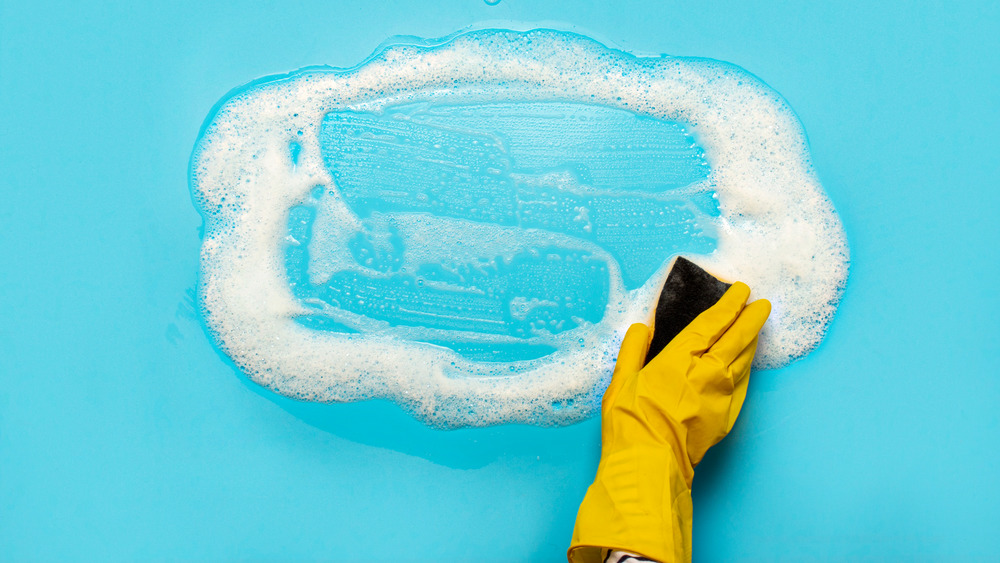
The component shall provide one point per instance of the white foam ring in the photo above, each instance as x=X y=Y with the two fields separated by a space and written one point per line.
x=778 y=231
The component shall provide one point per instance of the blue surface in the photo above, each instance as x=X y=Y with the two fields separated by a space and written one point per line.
x=534 y=149
x=388 y=183
x=124 y=435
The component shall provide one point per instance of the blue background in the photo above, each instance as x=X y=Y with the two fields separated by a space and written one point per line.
x=124 y=435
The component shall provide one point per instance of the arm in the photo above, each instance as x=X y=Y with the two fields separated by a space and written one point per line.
x=657 y=422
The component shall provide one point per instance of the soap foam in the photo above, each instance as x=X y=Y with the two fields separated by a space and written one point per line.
x=279 y=225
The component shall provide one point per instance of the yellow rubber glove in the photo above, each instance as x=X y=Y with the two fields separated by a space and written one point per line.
x=657 y=422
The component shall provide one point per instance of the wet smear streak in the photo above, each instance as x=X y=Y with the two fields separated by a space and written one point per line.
x=624 y=183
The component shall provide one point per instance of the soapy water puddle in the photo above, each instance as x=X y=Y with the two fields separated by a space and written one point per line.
x=467 y=227
x=594 y=185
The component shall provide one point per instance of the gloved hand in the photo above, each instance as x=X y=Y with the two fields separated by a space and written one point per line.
x=657 y=422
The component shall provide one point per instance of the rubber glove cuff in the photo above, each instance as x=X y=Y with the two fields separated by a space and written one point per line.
x=617 y=506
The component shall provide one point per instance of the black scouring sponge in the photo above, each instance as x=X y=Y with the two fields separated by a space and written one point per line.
x=688 y=291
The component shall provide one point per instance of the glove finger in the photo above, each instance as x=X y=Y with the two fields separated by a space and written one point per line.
x=740 y=367
x=631 y=355
x=729 y=359
x=739 y=396
x=707 y=327
x=744 y=330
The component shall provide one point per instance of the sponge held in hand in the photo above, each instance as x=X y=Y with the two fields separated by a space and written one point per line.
x=688 y=291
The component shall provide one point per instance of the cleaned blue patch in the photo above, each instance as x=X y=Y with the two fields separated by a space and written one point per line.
x=600 y=174
x=626 y=184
